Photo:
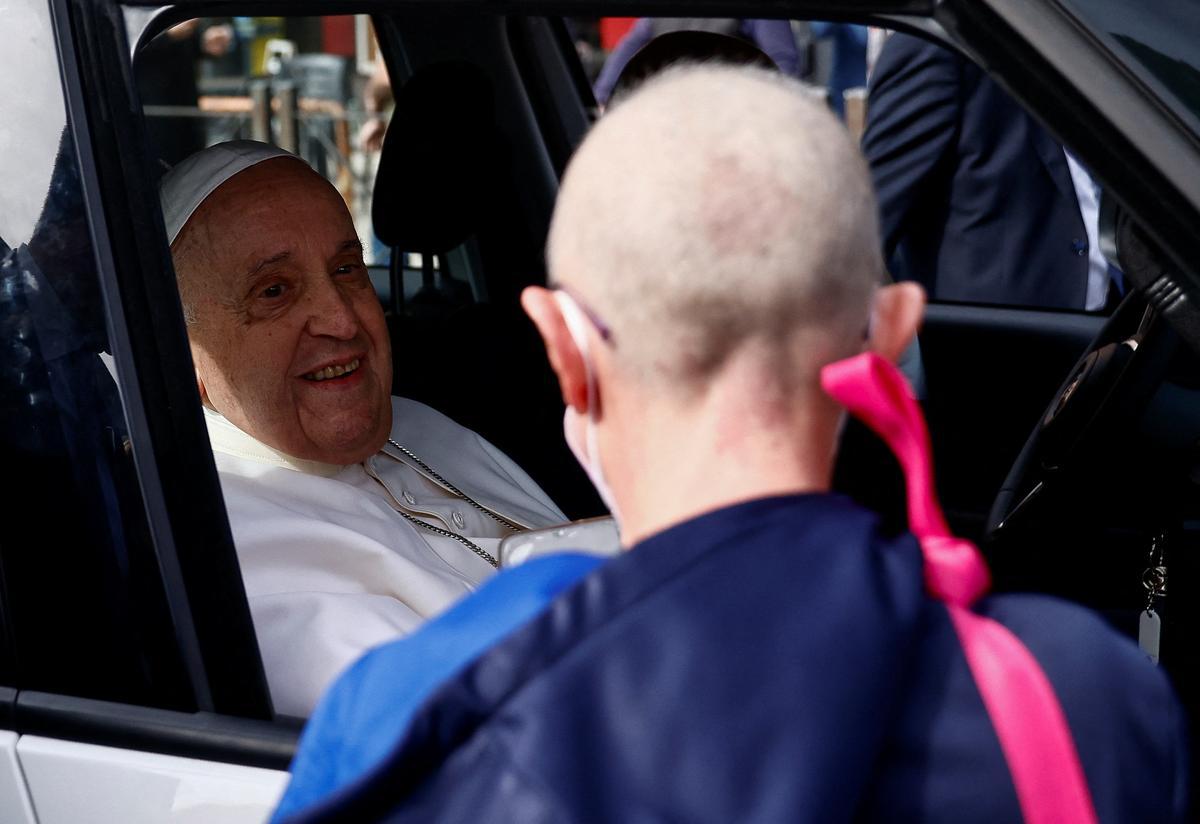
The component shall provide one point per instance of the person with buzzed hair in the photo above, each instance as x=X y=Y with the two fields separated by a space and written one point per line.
x=355 y=515
x=763 y=651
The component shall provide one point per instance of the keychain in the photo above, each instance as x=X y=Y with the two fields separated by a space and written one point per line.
x=1154 y=579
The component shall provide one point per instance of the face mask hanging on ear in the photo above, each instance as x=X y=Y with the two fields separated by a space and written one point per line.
x=580 y=431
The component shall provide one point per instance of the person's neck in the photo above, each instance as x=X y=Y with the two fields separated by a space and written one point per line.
x=727 y=449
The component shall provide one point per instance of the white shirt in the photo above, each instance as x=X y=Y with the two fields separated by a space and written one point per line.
x=332 y=569
x=1088 y=196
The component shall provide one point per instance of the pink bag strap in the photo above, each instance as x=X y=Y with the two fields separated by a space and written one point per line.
x=1029 y=721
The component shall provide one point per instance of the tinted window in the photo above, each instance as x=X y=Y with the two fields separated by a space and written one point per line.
x=1159 y=39
x=80 y=602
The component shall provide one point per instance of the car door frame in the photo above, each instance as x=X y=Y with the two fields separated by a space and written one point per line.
x=210 y=622
x=234 y=722
x=169 y=439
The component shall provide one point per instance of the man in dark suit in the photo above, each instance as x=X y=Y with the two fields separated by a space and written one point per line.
x=977 y=201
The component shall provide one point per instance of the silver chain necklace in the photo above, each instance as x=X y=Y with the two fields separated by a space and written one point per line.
x=445 y=533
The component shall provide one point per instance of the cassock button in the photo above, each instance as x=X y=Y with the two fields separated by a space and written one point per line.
x=1079 y=246
x=408 y=496
x=459 y=520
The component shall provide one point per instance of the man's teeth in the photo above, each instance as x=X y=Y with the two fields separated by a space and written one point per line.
x=333 y=371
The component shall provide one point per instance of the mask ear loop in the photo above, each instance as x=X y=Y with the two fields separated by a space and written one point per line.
x=577 y=325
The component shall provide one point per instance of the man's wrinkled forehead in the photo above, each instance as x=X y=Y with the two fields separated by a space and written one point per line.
x=240 y=222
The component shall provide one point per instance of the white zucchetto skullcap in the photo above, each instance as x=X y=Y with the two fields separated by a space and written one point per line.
x=192 y=180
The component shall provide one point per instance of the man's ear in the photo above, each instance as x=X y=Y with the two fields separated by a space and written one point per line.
x=564 y=355
x=895 y=319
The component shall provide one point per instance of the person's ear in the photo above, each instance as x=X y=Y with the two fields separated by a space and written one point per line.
x=895 y=318
x=564 y=355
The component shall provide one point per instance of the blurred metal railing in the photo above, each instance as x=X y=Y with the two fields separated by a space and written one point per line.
x=273 y=112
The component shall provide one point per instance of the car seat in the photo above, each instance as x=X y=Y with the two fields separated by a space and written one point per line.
x=443 y=182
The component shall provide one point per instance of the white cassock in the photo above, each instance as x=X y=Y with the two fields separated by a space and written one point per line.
x=332 y=569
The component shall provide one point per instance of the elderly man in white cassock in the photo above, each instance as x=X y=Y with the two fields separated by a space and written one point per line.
x=356 y=515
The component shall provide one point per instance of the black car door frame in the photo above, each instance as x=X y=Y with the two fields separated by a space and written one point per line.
x=169 y=439
x=210 y=623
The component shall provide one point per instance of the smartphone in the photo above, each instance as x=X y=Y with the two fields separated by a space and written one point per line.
x=595 y=536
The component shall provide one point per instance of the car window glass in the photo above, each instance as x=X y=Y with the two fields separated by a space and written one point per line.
x=1157 y=39
x=316 y=86
x=978 y=202
x=35 y=103
x=81 y=606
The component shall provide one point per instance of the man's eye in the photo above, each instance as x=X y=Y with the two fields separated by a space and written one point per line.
x=347 y=269
x=275 y=290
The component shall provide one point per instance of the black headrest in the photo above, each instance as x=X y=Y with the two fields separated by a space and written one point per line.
x=437 y=166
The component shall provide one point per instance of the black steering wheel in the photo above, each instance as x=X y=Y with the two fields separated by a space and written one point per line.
x=1098 y=405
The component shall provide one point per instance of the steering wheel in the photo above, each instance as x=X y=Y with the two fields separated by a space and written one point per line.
x=1103 y=396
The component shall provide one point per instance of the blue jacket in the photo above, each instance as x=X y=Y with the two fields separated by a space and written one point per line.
x=976 y=200
x=773 y=661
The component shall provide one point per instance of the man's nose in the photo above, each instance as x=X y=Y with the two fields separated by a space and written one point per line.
x=330 y=311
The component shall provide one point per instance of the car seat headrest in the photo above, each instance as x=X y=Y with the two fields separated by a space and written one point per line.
x=437 y=167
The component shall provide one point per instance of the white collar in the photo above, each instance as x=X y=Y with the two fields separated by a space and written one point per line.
x=228 y=439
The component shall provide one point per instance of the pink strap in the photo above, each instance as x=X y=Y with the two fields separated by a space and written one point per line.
x=1033 y=732
x=877 y=394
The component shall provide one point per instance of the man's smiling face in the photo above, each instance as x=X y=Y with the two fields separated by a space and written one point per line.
x=287 y=335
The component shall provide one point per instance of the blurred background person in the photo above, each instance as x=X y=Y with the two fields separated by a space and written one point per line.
x=376 y=97
x=167 y=76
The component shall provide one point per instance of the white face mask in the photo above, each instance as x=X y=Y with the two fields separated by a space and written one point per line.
x=580 y=431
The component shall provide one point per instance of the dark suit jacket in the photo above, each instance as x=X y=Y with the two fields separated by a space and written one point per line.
x=773 y=661
x=975 y=198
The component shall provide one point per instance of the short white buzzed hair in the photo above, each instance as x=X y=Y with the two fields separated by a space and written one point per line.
x=718 y=206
